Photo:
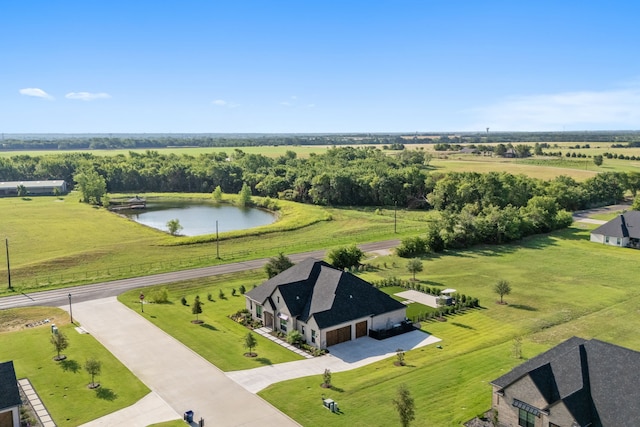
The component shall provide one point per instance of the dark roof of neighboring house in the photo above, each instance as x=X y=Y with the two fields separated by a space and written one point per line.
x=313 y=288
x=9 y=393
x=624 y=225
x=596 y=381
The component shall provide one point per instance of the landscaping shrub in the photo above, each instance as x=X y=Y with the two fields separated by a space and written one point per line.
x=159 y=296
x=183 y=300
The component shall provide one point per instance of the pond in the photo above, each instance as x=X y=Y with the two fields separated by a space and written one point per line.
x=198 y=217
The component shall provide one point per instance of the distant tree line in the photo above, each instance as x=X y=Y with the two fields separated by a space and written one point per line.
x=342 y=176
x=136 y=141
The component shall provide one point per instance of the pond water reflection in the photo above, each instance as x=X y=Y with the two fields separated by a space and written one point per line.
x=198 y=217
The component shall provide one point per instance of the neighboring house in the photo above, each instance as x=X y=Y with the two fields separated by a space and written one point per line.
x=623 y=230
x=578 y=383
x=326 y=305
x=34 y=188
x=9 y=396
x=510 y=153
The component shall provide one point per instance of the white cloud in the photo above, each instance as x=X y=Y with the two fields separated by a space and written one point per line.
x=579 y=110
x=34 y=91
x=223 y=103
x=87 y=96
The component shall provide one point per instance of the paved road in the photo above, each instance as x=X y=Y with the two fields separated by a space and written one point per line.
x=60 y=297
x=181 y=377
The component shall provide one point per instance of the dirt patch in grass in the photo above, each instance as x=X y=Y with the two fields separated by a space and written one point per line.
x=15 y=319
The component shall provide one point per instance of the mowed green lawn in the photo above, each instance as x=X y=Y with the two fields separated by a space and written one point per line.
x=62 y=386
x=219 y=339
x=563 y=285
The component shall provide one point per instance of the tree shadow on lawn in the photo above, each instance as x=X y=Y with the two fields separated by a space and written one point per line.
x=462 y=325
x=523 y=307
x=207 y=326
x=70 y=365
x=263 y=361
x=106 y=394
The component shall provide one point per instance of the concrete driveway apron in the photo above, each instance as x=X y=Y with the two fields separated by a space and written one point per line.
x=177 y=374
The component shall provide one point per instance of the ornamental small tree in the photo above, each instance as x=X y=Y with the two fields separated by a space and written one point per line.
x=414 y=265
x=502 y=288
x=250 y=343
x=326 y=379
x=400 y=357
x=60 y=343
x=93 y=368
x=405 y=405
x=196 y=308
x=174 y=227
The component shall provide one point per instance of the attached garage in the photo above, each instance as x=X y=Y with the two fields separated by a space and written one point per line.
x=361 y=329
x=339 y=335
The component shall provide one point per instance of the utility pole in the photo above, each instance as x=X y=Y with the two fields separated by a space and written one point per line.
x=217 y=242
x=6 y=240
x=395 y=216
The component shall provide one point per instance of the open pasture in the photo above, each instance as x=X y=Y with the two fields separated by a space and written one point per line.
x=55 y=242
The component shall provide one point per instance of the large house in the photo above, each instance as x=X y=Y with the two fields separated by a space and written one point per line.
x=578 y=383
x=326 y=305
x=623 y=230
x=9 y=396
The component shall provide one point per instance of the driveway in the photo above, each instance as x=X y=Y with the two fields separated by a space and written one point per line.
x=180 y=377
x=343 y=357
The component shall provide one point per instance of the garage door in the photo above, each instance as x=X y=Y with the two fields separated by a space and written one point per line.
x=338 y=335
x=361 y=329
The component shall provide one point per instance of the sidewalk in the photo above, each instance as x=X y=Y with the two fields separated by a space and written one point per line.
x=267 y=334
x=150 y=409
x=180 y=377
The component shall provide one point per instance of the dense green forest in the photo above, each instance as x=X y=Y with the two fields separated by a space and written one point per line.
x=342 y=176
x=131 y=141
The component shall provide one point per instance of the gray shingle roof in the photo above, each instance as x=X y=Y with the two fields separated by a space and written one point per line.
x=313 y=288
x=624 y=225
x=597 y=381
x=9 y=393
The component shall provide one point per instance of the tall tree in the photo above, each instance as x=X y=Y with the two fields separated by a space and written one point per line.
x=405 y=405
x=217 y=194
x=598 y=160
x=345 y=257
x=414 y=265
x=502 y=288
x=277 y=265
x=92 y=185
x=93 y=368
x=245 y=196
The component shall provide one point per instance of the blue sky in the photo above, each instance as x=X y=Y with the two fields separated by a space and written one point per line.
x=318 y=66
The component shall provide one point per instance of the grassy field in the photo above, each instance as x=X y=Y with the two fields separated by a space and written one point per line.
x=68 y=248
x=62 y=386
x=563 y=285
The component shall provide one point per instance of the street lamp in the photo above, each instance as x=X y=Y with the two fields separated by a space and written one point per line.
x=70 y=310
x=6 y=241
